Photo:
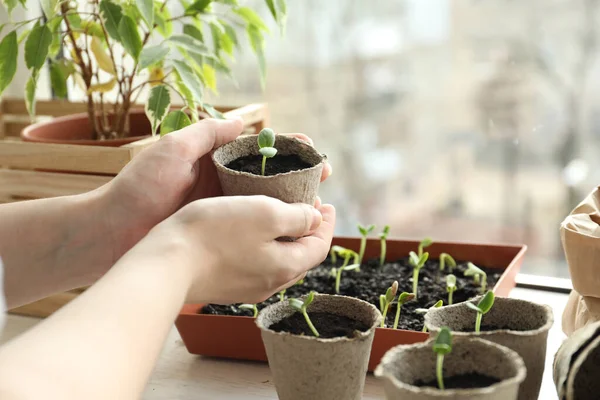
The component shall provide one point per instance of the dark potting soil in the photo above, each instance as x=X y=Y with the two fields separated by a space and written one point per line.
x=466 y=381
x=328 y=325
x=373 y=280
x=277 y=165
x=492 y=328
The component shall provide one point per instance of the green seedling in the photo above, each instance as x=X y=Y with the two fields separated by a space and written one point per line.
x=417 y=263
x=335 y=250
x=282 y=293
x=337 y=272
x=482 y=308
x=251 y=307
x=302 y=306
x=266 y=141
x=386 y=299
x=450 y=287
x=441 y=347
x=446 y=258
x=424 y=243
x=424 y=311
x=402 y=299
x=383 y=237
x=479 y=277
x=364 y=232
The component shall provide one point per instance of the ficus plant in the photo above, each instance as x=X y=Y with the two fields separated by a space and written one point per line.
x=446 y=259
x=364 y=233
x=479 y=276
x=441 y=347
x=302 y=306
x=402 y=299
x=385 y=300
x=113 y=50
x=450 y=286
x=383 y=238
x=483 y=307
x=251 y=307
x=266 y=143
x=417 y=262
x=424 y=311
x=423 y=244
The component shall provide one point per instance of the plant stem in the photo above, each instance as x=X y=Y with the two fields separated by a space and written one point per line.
x=363 y=246
x=383 y=251
x=338 y=278
x=255 y=311
x=478 y=322
x=282 y=295
x=424 y=327
x=264 y=163
x=310 y=324
x=387 y=307
x=397 y=316
x=439 y=371
x=415 y=281
x=450 y=297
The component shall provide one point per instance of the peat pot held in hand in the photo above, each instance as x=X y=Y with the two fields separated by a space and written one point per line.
x=577 y=365
x=475 y=369
x=292 y=175
x=517 y=324
x=331 y=366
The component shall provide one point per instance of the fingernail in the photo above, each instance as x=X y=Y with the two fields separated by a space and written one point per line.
x=316 y=220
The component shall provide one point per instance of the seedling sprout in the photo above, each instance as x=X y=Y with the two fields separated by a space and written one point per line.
x=446 y=258
x=302 y=306
x=347 y=254
x=450 y=287
x=441 y=347
x=424 y=243
x=250 y=307
x=417 y=263
x=424 y=311
x=335 y=250
x=479 y=277
x=266 y=141
x=282 y=293
x=402 y=299
x=386 y=299
x=364 y=232
x=482 y=308
x=383 y=237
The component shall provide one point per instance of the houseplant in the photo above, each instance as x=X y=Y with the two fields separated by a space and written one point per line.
x=517 y=324
x=473 y=369
x=332 y=365
x=114 y=50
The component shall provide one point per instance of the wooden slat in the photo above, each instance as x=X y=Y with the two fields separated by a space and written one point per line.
x=64 y=157
x=54 y=108
x=16 y=184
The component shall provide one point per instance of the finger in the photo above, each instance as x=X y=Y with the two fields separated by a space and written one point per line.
x=296 y=220
x=200 y=138
x=300 y=136
x=291 y=283
x=327 y=171
x=309 y=251
x=318 y=202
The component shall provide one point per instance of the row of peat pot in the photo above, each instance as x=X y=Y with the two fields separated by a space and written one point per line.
x=509 y=351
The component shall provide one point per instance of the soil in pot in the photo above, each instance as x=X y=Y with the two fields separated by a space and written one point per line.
x=279 y=164
x=328 y=325
x=373 y=280
x=465 y=381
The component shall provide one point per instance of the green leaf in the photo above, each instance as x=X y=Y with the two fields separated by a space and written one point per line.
x=30 y=89
x=278 y=10
x=9 y=50
x=152 y=55
x=438 y=304
x=36 y=46
x=413 y=258
x=55 y=46
x=271 y=5
x=49 y=7
x=443 y=342
x=257 y=43
x=216 y=30
x=189 y=79
x=146 y=8
x=474 y=307
x=426 y=242
x=351 y=267
x=112 y=14
x=165 y=27
x=214 y=113
x=58 y=80
x=210 y=76
x=266 y=138
x=130 y=37
x=423 y=259
x=193 y=31
x=405 y=297
x=157 y=106
x=10 y=5
x=473 y=270
x=451 y=281
x=174 y=121
x=268 y=152
x=186 y=93
x=189 y=44
x=226 y=43
x=197 y=7
x=486 y=302
x=251 y=18
x=296 y=304
x=230 y=32
x=74 y=20
x=309 y=299
x=93 y=28
x=23 y=35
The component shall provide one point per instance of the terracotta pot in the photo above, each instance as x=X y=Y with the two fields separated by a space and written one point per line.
x=308 y=367
x=238 y=338
x=77 y=129
x=403 y=366
x=527 y=334
x=577 y=363
x=291 y=187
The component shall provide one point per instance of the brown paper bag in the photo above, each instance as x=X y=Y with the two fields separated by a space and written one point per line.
x=580 y=235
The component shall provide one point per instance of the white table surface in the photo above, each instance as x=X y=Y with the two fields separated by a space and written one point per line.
x=179 y=375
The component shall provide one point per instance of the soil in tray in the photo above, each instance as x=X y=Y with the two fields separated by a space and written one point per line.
x=466 y=381
x=373 y=280
x=328 y=325
x=493 y=328
x=277 y=165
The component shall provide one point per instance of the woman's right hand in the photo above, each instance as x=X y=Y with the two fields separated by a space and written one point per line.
x=227 y=246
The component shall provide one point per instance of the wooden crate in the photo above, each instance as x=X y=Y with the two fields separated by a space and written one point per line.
x=20 y=162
